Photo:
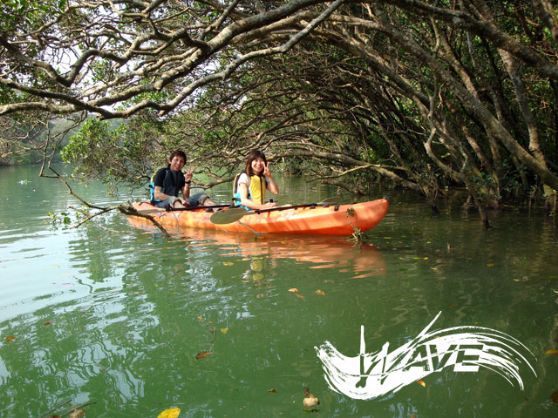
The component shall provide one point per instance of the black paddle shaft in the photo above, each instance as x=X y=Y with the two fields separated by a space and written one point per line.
x=201 y=207
x=303 y=205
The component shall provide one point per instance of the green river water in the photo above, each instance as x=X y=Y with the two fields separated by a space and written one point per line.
x=114 y=316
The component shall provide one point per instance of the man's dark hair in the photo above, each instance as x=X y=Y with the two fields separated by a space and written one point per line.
x=178 y=153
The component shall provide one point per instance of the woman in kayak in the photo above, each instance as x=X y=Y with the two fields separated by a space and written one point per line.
x=250 y=186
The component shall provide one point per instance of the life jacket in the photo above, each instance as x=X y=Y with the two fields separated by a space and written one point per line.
x=256 y=191
x=170 y=184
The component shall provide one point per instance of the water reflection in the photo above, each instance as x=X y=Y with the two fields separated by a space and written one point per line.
x=360 y=260
x=115 y=315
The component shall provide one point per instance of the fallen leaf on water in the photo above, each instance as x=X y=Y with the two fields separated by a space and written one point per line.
x=10 y=338
x=554 y=396
x=272 y=390
x=320 y=292
x=76 y=413
x=299 y=296
x=293 y=290
x=310 y=401
x=46 y=323
x=490 y=265
x=422 y=383
x=203 y=354
x=169 y=413
x=228 y=263
x=199 y=318
x=551 y=352
x=224 y=331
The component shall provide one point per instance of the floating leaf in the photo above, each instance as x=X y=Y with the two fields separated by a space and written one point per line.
x=228 y=263
x=203 y=354
x=422 y=383
x=272 y=390
x=310 y=401
x=200 y=318
x=298 y=295
x=554 y=396
x=76 y=413
x=169 y=413
x=490 y=265
x=10 y=338
x=224 y=331
x=320 y=292
x=47 y=323
x=551 y=352
x=293 y=290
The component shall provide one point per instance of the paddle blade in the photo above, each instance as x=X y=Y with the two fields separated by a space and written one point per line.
x=227 y=216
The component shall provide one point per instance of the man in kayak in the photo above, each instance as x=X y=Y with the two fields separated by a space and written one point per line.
x=170 y=180
x=250 y=186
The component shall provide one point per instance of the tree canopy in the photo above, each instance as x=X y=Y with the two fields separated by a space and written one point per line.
x=425 y=94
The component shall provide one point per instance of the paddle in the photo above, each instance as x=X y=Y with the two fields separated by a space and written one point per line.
x=201 y=207
x=232 y=215
x=161 y=210
x=227 y=216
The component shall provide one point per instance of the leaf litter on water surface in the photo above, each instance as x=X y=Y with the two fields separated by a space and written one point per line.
x=203 y=354
x=169 y=413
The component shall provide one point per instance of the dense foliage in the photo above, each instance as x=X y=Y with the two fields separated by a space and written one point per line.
x=426 y=95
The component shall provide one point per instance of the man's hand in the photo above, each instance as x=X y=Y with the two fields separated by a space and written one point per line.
x=189 y=174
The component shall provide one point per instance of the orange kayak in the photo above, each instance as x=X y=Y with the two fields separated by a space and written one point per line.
x=319 y=219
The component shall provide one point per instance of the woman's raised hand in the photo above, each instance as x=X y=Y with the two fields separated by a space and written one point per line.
x=266 y=171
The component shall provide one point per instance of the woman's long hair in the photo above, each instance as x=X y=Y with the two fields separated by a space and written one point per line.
x=253 y=155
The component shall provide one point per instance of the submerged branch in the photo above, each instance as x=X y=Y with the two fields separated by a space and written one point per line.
x=131 y=211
